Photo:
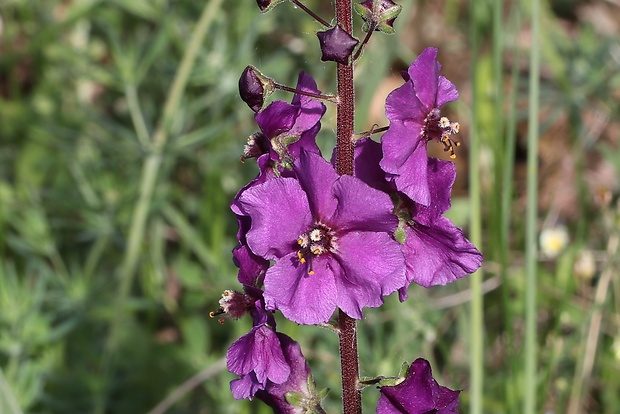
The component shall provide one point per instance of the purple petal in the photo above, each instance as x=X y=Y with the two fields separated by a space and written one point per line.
x=398 y=143
x=251 y=267
x=307 y=142
x=280 y=213
x=245 y=387
x=317 y=177
x=439 y=254
x=274 y=395
x=373 y=267
x=419 y=393
x=446 y=92
x=302 y=297
x=362 y=208
x=441 y=176
x=424 y=73
x=402 y=104
x=412 y=177
x=310 y=110
x=368 y=154
x=258 y=351
x=277 y=118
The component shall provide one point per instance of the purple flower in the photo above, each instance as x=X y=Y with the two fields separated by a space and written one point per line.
x=331 y=239
x=419 y=393
x=257 y=356
x=297 y=394
x=436 y=251
x=286 y=128
x=415 y=119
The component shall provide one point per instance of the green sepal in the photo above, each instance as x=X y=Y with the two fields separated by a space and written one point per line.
x=399 y=233
x=269 y=85
x=363 y=11
x=323 y=393
x=296 y=399
x=404 y=369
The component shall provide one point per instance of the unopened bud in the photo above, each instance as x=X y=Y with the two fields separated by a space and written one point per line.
x=336 y=44
x=379 y=14
x=254 y=87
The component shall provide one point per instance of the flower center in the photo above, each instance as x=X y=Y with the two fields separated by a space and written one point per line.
x=257 y=145
x=316 y=241
x=234 y=305
x=440 y=128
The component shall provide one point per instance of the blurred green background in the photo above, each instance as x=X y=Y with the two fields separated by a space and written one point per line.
x=120 y=136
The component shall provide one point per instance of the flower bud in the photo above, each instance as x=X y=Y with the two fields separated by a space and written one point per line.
x=379 y=14
x=336 y=44
x=254 y=87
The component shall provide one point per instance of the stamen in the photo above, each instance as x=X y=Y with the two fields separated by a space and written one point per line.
x=301 y=257
x=213 y=314
x=303 y=241
x=315 y=235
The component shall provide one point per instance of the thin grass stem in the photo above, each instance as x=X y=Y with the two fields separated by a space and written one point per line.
x=475 y=193
x=531 y=248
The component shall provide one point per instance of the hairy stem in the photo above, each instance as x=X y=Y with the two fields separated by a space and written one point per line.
x=351 y=395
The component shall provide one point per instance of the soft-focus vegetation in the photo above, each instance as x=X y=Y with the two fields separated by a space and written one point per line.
x=115 y=181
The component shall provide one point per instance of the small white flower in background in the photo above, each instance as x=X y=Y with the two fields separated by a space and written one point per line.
x=553 y=240
x=585 y=265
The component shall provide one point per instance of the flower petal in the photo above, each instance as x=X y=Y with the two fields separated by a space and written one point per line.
x=446 y=92
x=402 y=104
x=362 y=208
x=424 y=73
x=317 y=177
x=302 y=297
x=398 y=143
x=258 y=351
x=245 y=387
x=439 y=254
x=280 y=213
x=310 y=110
x=441 y=175
x=368 y=154
x=277 y=118
x=412 y=177
x=373 y=266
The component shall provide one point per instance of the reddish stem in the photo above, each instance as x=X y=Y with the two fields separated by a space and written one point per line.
x=349 y=365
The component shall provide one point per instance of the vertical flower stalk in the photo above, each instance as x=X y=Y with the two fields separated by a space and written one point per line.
x=351 y=396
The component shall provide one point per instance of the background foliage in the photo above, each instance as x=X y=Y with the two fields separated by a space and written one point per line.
x=93 y=321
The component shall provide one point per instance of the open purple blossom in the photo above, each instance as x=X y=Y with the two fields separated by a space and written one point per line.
x=436 y=251
x=331 y=239
x=286 y=128
x=297 y=394
x=257 y=356
x=419 y=393
x=415 y=118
